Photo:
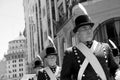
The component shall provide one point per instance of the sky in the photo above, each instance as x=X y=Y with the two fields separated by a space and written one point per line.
x=11 y=22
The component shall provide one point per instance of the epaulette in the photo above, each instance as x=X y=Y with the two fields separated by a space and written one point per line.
x=41 y=70
x=59 y=68
x=68 y=50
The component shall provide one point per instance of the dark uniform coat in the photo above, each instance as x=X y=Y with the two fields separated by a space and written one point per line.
x=42 y=74
x=73 y=59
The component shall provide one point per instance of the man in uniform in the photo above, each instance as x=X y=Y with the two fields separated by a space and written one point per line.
x=38 y=65
x=90 y=59
x=52 y=70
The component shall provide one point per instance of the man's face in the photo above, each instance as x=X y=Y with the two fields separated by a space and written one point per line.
x=51 y=59
x=85 y=33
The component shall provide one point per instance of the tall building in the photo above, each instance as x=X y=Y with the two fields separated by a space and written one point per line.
x=16 y=58
x=34 y=35
x=3 y=70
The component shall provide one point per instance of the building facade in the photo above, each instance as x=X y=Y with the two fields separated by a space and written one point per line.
x=16 y=58
x=38 y=23
x=56 y=19
x=104 y=13
x=3 y=70
x=32 y=27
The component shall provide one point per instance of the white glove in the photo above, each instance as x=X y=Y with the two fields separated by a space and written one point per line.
x=117 y=75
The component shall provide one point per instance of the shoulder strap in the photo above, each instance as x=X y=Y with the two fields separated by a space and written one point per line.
x=90 y=58
x=50 y=73
x=57 y=70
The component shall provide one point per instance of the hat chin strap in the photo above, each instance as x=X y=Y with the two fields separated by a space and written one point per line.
x=51 y=64
x=86 y=42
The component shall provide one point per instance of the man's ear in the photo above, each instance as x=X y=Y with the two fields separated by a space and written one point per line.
x=77 y=33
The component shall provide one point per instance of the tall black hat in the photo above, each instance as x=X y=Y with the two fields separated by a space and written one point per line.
x=38 y=62
x=50 y=51
x=81 y=21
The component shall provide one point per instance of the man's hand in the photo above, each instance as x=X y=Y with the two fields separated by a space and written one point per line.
x=117 y=75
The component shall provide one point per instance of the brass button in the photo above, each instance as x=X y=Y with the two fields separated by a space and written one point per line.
x=106 y=61
x=83 y=75
x=76 y=53
x=105 y=56
x=78 y=61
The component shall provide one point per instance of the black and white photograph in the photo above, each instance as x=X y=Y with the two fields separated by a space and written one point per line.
x=60 y=40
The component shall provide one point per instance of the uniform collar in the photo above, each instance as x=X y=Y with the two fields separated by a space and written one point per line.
x=89 y=44
x=53 y=68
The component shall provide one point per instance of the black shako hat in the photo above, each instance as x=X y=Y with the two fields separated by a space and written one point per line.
x=50 y=51
x=37 y=63
x=81 y=21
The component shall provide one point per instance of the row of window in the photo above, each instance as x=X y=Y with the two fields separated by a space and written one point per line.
x=16 y=65
x=16 y=51
x=17 y=41
x=15 y=75
x=20 y=60
x=14 y=61
x=15 y=70
x=15 y=56
x=17 y=46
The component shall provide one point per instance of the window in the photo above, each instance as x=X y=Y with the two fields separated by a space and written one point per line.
x=12 y=57
x=9 y=71
x=21 y=69
x=18 y=56
x=109 y=29
x=8 y=57
x=20 y=64
x=22 y=56
x=45 y=35
x=61 y=12
x=12 y=47
x=14 y=61
x=20 y=74
x=20 y=60
x=53 y=9
x=15 y=75
x=20 y=45
x=14 y=70
x=44 y=13
x=14 y=65
x=15 y=56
